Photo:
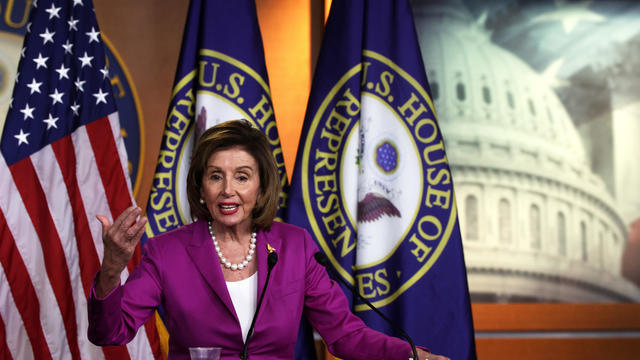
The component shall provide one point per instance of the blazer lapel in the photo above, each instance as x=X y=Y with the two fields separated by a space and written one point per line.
x=200 y=249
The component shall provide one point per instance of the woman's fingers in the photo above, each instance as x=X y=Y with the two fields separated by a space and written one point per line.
x=127 y=218
x=120 y=240
x=132 y=227
x=105 y=223
x=138 y=229
x=125 y=229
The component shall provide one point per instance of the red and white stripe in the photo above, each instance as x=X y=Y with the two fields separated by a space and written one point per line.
x=52 y=245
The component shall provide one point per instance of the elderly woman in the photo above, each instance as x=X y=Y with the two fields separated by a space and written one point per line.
x=207 y=274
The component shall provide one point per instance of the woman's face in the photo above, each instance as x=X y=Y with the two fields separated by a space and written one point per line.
x=231 y=186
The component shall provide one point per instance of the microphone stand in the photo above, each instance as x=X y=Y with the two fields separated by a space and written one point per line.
x=322 y=259
x=272 y=259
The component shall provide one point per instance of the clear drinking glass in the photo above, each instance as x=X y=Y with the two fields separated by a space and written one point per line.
x=205 y=353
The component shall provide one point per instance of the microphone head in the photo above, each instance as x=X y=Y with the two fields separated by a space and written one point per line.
x=321 y=258
x=272 y=259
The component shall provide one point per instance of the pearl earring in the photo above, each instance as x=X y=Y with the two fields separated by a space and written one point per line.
x=202 y=201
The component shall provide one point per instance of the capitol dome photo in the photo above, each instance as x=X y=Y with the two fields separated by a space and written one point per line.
x=538 y=225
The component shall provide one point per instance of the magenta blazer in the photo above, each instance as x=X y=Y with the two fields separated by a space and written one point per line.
x=181 y=271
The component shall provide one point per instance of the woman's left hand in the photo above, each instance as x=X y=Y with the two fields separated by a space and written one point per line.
x=423 y=355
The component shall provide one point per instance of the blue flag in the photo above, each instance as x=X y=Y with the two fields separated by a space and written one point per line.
x=221 y=76
x=372 y=183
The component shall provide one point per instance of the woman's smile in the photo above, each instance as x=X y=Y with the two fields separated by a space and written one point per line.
x=228 y=208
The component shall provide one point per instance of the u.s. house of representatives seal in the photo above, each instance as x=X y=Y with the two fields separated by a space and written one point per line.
x=380 y=197
x=220 y=88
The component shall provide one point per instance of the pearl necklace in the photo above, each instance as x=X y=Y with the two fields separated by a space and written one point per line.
x=224 y=260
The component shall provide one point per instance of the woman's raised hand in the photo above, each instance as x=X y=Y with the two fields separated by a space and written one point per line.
x=120 y=241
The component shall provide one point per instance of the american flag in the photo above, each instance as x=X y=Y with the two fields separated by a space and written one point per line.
x=63 y=161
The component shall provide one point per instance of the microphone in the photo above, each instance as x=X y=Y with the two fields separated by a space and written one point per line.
x=323 y=260
x=272 y=259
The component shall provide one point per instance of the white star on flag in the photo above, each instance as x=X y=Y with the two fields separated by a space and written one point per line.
x=41 y=61
x=51 y=121
x=72 y=24
x=86 y=60
x=93 y=35
x=75 y=107
x=79 y=83
x=105 y=72
x=47 y=36
x=53 y=11
x=62 y=72
x=22 y=137
x=56 y=96
x=67 y=47
x=101 y=97
x=27 y=111
x=34 y=86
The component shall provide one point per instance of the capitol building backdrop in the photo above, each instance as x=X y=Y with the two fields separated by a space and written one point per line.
x=540 y=110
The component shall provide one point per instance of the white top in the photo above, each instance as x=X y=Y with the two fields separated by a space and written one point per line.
x=244 y=295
